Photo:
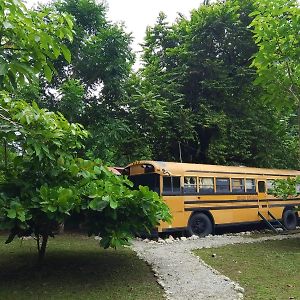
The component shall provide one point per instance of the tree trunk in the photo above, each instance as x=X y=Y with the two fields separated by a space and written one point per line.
x=42 y=248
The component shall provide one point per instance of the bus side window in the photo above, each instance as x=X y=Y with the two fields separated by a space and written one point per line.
x=190 y=185
x=250 y=186
x=206 y=185
x=270 y=185
x=261 y=187
x=222 y=185
x=238 y=185
x=171 y=185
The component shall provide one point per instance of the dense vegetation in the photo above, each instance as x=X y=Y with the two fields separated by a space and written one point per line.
x=45 y=176
x=197 y=88
x=217 y=87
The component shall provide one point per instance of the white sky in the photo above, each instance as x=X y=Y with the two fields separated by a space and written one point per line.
x=138 y=14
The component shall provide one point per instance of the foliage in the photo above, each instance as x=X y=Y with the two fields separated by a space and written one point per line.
x=276 y=27
x=200 y=70
x=46 y=182
x=101 y=63
x=285 y=188
x=194 y=95
x=43 y=178
x=29 y=41
x=101 y=52
x=71 y=103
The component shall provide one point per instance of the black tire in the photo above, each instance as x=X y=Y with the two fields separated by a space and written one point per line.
x=289 y=219
x=200 y=224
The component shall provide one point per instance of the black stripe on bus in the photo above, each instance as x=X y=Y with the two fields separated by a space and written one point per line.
x=208 y=194
x=234 y=207
x=238 y=201
x=283 y=205
x=217 y=201
x=221 y=207
x=282 y=199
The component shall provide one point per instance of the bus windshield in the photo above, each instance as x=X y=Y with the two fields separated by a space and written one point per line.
x=150 y=180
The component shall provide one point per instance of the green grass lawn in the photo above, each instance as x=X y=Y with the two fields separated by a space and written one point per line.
x=267 y=270
x=75 y=267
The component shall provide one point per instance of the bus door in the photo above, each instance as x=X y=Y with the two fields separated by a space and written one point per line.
x=263 y=205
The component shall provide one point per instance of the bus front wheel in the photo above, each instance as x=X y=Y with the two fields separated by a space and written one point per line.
x=200 y=224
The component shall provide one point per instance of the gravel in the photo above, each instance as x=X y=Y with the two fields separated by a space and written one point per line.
x=183 y=275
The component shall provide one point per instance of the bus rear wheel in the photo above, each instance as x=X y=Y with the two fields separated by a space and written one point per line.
x=200 y=224
x=289 y=219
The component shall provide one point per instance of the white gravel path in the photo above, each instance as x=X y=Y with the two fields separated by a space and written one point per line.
x=185 y=276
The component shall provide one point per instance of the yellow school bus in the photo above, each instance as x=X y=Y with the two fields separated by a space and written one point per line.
x=201 y=196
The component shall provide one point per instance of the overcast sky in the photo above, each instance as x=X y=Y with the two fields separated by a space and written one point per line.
x=138 y=14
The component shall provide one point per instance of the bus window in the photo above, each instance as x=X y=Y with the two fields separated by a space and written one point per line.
x=222 y=185
x=261 y=187
x=206 y=185
x=270 y=184
x=250 y=186
x=190 y=185
x=150 y=180
x=238 y=185
x=171 y=185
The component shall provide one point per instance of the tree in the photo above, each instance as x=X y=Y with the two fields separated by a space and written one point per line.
x=276 y=27
x=46 y=182
x=43 y=180
x=203 y=67
x=101 y=64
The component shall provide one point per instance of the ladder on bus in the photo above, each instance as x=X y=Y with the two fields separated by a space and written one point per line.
x=276 y=223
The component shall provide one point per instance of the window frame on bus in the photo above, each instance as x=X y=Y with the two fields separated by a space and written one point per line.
x=269 y=185
x=190 y=188
x=253 y=185
x=171 y=192
x=242 y=186
x=223 y=191
x=205 y=191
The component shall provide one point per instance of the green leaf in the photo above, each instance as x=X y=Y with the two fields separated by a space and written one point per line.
x=48 y=73
x=3 y=68
x=22 y=216
x=97 y=204
x=69 y=20
x=52 y=208
x=113 y=204
x=66 y=52
x=11 y=213
x=65 y=195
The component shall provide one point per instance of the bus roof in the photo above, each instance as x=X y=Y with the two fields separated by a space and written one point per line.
x=170 y=168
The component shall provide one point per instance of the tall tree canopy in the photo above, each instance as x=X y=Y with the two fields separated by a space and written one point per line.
x=92 y=87
x=200 y=69
x=194 y=98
